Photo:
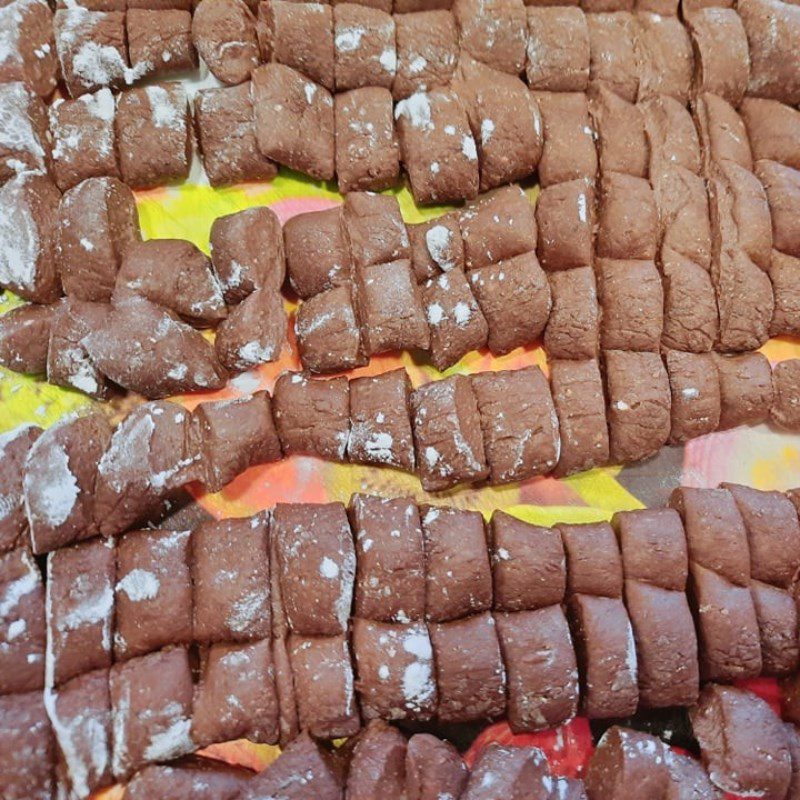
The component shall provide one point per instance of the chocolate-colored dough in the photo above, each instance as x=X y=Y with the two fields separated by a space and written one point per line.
x=782 y=186
x=224 y=33
x=375 y=229
x=28 y=229
x=549 y=65
x=722 y=132
x=312 y=416
x=621 y=141
x=577 y=390
x=565 y=215
x=785 y=276
x=394 y=664
x=377 y=768
x=667 y=60
x=433 y=768
x=614 y=62
x=15 y=444
x=27 y=747
x=773 y=130
x=160 y=40
x=447 y=434
x=390 y=573
x=777 y=617
x=25 y=337
x=59 y=481
x=691 y=318
x=469 y=669
x=206 y=782
x=694 y=389
x=627 y=219
x=573 y=328
x=594 y=566
x=513 y=773
x=236 y=698
x=785 y=411
x=226 y=135
x=745 y=388
x=25 y=143
x=31 y=57
x=151 y=702
x=671 y=136
x=495 y=34
x=364 y=51
x=436 y=247
x=97 y=223
x=230 y=576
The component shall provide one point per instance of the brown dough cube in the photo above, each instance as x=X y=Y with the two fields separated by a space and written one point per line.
x=498 y=225
x=31 y=57
x=151 y=702
x=226 y=133
x=152 y=454
x=519 y=423
x=552 y=65
x=205 y=782
x=782 y=186
x=154 y=136
x=776 y=613
x=153 y=605
x=27 y=752
x=433 y=768
x=22 y=623
x=328 y=336
x=224 y=33
x=726 y=722
x=577 y=389
x=627 y=220
x=494 y=33
x=390 y=309
x=447 y=434
x=396 y=678
x=25 y=337
x=666 y=645
x=671 y=136
x=323 y=679
x=390 y=575
x=80 y=610
x=606 y=655
x=594 y=565
x=15 y=444
x=317 y=251
x=745 y=387
x=690 y=309
x=666 y=59
x=367 y=151
x=509 y=772
x=632 y=303
x=28 y=231
x=528 y=565
x=470 y=675
x=638 y=393
x=380 y=420
x=565 y=216
x=773 y=130
x=92 y=50
x=315 y=550
x=785 y=411
x=436 y=247
x=722 y=132
x=377 y=768
x=573 y=328
x=722 y=61
x=80 y=713
x=772 y=29
x=694 y=388
x=364 y=51
x=230 y=578
x=375 y=229
x=614 y=61
x=25 y=142
x=569 y=149
x=174 y=274
x=437 y=147
x=505 y=122
x=160 y=40
x=458 y=576
x=299 y=35
x=84 y=138
x=68 y=363
x=253 y=333
x=456 y=323
x=785 y=276
x=98 y=222
x=427 y=51
x=515 y=299
x=312 y=416
x=621 y=141
x=288 y=722
x=181 y=360
x=59 y=481
x=235 y=698
x=542 y=672
x=294 y=120
x=235 y=435
x=745 y=301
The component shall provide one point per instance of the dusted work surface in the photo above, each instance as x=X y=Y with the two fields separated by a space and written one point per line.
x=760 y=456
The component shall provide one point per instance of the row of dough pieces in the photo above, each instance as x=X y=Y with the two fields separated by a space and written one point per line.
x=275 y=593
